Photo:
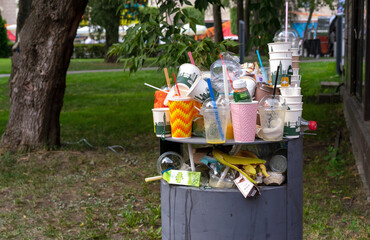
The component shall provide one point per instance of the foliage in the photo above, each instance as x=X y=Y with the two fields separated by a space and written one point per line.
x=195 y=13
x=88 y=51
x=263 y=30
x=336 y=163
x=313 y=4
x=142 y=39
x=233 y=21
x=3 y=39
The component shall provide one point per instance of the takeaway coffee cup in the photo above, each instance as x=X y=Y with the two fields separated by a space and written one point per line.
x=279 y=46
x=199 y=91
x=187 y=75
x=244 y=117
x=292 y=123
x=161 y=118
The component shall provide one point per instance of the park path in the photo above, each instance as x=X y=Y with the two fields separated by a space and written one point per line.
x=154 y=68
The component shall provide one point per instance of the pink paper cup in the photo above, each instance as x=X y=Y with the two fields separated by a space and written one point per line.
x=244 y=117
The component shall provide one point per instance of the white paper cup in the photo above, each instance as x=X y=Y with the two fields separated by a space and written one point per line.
x=199 y=91
x=285 y=66
x=280 y=55
x=294 y=51
x=162 y=125
x=295 y=106
x=187 y=75
x=293 y=99
x=295 y=71
x=295 y=64
x=290 y=91
x=292 y=123
x=279 y=46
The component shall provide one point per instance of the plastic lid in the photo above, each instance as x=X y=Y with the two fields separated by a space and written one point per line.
x=269 y=101
x=240 y=83
x=312 y=125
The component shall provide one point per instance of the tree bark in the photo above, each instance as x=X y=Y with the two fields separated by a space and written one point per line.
x=239 y=13
x=219 y=36
x=38 y=78
x=24 y=7
x=111 y=37
x=305 y=33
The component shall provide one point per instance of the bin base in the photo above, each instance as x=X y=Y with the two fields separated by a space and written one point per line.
x=194 y=213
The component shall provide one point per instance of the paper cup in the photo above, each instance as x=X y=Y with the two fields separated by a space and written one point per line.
x=251 y=84
x=285 y=69
x=181 y=116
x=295 y=58
x=293 y=99
x=296 y=83
x=295 y=106
x=173 y=92
x=187 y=75
x=162 y=125
x=279 y=46
x=295 y=71
x=290 y=91
x=280 y=55
x=199 y=91
x=263 y=90
x=244 y=117
x=294 y=52
x=292 y=125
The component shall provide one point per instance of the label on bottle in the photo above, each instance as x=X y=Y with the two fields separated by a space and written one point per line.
x=242 y=96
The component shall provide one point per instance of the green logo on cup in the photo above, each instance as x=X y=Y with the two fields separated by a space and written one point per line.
x=187 y=78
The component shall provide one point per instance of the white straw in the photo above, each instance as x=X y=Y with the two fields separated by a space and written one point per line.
x=155 y=87
x=226 y=84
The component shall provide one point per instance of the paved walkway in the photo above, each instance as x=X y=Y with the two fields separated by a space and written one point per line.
x=154 y=68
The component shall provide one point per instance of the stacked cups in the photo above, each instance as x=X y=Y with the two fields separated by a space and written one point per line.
x=293 y=98
x=295 y=78
x=281 y=55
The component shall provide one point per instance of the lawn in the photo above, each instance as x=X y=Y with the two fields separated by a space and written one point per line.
x=86 y=191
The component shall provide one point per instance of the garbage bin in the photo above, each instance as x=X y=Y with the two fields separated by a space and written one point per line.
x=198 y=213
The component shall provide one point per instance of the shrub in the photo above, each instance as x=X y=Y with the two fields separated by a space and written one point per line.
x=89 y=51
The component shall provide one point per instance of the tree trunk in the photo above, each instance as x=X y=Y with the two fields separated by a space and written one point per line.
x=239 y=13
x=219 y=36
x=38 y=79
x=24 y=10
x=111 y=37
x=305 y=34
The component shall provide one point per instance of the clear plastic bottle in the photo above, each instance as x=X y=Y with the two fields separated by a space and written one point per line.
x=241 y=93
x=308 y=125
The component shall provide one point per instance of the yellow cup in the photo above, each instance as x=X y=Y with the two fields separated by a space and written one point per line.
x=181 y=116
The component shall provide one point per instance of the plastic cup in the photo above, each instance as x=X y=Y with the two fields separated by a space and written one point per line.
x=213 y=126
x=161 y=118
x=295 y=71
x=292 y=125
x=181 y=116
x=272 y=116
x=290 y=91
x=244 y=117
x=187 y=75
x=280 y=55
x=293 y=99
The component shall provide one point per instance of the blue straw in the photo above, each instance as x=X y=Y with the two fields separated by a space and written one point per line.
x=262 y=69
x=215 y=108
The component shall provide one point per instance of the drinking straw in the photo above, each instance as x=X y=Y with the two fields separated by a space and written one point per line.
x=155 y=87
x=167 y=78
x=286 y=21
x=276 y=79
x=177 y=86
x=227 y=72
x=191 y=58
x=226 y=84
x=190 y=150
x=262 y=68
x=215 y=108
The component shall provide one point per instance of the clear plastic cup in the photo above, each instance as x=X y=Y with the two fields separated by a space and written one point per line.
x=272 y=116
x=215 y=124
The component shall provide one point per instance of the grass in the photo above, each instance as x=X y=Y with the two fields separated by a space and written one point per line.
x=90 y=192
